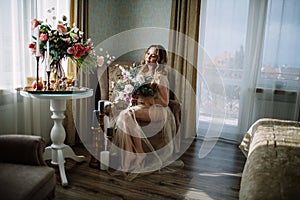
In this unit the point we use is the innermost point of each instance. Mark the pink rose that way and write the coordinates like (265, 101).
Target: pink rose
(34, 23)
(100, 61)
(70, 50)
(43, 37)
(61, 28)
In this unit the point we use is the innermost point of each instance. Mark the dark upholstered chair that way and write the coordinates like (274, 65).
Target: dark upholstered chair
(24, 174)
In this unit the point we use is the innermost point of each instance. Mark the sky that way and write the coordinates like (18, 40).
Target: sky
(226, 28)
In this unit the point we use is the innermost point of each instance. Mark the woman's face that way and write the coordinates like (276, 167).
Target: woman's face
(151, 55)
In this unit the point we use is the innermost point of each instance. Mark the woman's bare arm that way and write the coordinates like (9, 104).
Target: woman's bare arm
(163, 91)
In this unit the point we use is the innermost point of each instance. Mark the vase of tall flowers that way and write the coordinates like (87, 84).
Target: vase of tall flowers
(56, 44)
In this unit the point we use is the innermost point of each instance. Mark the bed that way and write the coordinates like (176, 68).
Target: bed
(272, 168)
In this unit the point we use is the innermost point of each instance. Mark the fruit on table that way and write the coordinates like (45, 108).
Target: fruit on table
(40, 85)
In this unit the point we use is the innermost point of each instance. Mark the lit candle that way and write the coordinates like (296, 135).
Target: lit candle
(48, 57)
(45, 75)
(37, 53)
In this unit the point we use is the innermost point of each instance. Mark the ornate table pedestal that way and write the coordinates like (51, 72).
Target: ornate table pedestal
(58, 151)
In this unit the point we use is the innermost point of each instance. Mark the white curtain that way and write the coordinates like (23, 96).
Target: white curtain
(253, 44)
(222, 36)
(20, 115)
(277, 94)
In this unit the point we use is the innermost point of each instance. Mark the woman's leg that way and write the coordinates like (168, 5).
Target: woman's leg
(129, 153)
(133, 141)
(140, 154)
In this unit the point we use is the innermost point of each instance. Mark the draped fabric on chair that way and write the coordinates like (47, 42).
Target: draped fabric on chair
(183, 48)
(79, 16)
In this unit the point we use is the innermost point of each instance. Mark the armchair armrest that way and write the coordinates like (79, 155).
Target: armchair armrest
(22, 149)
(175, 107)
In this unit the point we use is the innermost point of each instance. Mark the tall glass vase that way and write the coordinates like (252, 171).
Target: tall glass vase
(58, 69)
(76, 77)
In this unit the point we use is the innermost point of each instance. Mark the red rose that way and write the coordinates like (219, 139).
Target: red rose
(31, 46)
(87, 49)
(76, 50)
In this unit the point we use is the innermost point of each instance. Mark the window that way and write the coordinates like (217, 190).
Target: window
(17, 63)
(225, 25)
(252, 44)
(281, 61)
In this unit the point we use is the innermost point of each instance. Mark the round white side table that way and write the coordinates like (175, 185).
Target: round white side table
(58, 151)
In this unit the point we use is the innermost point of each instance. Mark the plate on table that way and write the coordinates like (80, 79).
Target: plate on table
(71, 91)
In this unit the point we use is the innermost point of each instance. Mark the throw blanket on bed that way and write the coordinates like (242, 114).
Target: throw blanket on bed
(272, 169)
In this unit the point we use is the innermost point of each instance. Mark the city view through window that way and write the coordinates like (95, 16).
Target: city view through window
(224, 41)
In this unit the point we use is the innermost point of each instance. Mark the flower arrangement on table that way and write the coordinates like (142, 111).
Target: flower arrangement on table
(54, 44)
(133, 85)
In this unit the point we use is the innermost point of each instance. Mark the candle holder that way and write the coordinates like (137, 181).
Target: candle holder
(101, 138)
(37, 72)
(97, 138)
(44, 85)
(48, 80)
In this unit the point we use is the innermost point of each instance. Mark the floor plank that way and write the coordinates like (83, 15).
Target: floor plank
(216, 176)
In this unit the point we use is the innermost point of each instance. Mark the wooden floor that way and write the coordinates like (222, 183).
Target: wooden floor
(217, 176)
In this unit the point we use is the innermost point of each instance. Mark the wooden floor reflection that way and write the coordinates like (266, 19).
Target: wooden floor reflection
(216, 176)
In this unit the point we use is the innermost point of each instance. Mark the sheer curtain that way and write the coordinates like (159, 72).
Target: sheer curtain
(277, 93)
(253, 44)
(21, 115)
(223, 26)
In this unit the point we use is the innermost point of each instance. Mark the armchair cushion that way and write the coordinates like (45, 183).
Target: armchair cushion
(20, 181)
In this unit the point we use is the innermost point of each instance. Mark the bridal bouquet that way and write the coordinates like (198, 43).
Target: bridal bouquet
(133, 85)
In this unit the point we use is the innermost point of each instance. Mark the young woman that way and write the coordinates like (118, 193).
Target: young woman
(150, 147)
